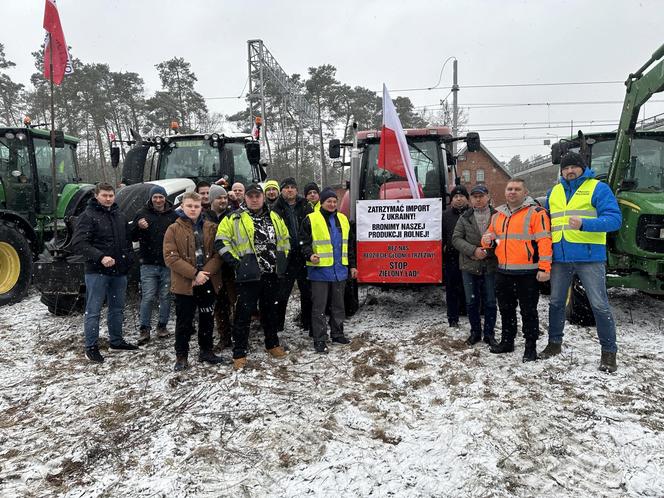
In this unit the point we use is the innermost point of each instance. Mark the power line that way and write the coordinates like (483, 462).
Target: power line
(510, 85)
(567, 125)
(589, 121)
(531, 104)
(461, 87)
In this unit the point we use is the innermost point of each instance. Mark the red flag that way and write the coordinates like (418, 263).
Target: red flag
(61, 62)
(393, 152)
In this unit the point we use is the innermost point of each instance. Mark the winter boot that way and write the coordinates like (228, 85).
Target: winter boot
(122, 346)
(181, 362)
(239, 363)
(504, 346)
(144, 336)
(530, 353)
(551, 349)
(209, 357)
(277, 352)
(342, 339)
(473, 339)
(162, 332)
(94, 355)
(490, 340)
(608, 362)
(320, 347)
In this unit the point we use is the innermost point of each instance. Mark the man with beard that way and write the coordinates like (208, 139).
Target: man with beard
(293, 208)
(148, 228)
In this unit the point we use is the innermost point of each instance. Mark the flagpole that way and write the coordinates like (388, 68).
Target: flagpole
(53, 179)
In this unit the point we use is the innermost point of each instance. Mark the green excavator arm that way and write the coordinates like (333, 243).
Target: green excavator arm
(640, 87)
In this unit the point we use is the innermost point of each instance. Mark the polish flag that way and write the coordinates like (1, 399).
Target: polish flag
(393, 153)
(61, 60)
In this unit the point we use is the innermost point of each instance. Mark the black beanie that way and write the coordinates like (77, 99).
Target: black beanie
(326, 193)
(311, 186)
(460, 190)
(288, 182)
(572, 159)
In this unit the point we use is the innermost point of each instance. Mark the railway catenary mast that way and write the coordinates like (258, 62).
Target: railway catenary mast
(263, 70)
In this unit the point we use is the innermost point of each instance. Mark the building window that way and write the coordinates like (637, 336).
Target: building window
(479, 175)
(465, 175)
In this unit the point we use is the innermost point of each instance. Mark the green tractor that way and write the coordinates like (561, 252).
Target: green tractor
(176, 162)
(631, 161)
(28, 215)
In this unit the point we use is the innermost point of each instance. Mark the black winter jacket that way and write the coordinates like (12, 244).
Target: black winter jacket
(103, 232)
(152, 238)
(450, 218)
(293, 217)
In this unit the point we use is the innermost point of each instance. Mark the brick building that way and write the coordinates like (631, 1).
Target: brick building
(482, 167)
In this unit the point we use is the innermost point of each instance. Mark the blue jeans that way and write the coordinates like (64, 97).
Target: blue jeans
(482, 287)
(113, 289)
(593, 278)
(155, 280)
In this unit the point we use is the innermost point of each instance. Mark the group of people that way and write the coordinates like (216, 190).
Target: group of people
(230, 256)
(223, 256)
(496, 259)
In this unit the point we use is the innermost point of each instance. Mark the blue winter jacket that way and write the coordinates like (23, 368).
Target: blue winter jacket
(609, 219)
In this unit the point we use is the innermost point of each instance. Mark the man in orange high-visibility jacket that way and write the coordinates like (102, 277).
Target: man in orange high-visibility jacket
(520, 232)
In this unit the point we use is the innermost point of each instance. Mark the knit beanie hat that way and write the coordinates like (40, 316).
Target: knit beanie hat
(572, 159)
(271, 184)
(288, 182)
(326, 194)
(216, 191)
(309, 187)
(157, 189)
(459, 190)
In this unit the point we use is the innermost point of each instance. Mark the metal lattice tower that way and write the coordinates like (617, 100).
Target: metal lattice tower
(264, 68)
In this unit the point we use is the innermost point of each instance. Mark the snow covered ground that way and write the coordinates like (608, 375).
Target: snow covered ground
(407, 409)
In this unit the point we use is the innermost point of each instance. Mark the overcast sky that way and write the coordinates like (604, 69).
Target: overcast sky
(403, 44)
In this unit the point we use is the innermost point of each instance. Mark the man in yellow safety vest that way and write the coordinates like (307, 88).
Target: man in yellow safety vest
(582, 211)
(328, 248)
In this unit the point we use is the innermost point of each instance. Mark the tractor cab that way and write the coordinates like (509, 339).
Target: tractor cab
(197, 157)
(26, 172)
(646, 168)
(430, 157)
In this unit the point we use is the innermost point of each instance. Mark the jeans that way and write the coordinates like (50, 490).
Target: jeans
(155, 280)
(454, 290)
(265, 293)
(97, 288)
(203, 299)
(482, 287)
(520, 290)
(593, 278)
(320, 291)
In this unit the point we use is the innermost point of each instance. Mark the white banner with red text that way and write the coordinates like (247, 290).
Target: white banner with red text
(400, 241)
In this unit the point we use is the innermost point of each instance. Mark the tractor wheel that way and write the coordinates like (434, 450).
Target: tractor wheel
(15, 264)
(578, 310)
(63, 304)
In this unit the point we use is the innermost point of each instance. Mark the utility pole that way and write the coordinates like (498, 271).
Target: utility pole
(455, 108)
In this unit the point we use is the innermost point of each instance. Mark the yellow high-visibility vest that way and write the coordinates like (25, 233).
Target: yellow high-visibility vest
(579, 205)
(322, 241)
(237, 232)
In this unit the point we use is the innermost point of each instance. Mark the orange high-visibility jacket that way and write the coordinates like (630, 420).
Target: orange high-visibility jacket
(523, 238)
